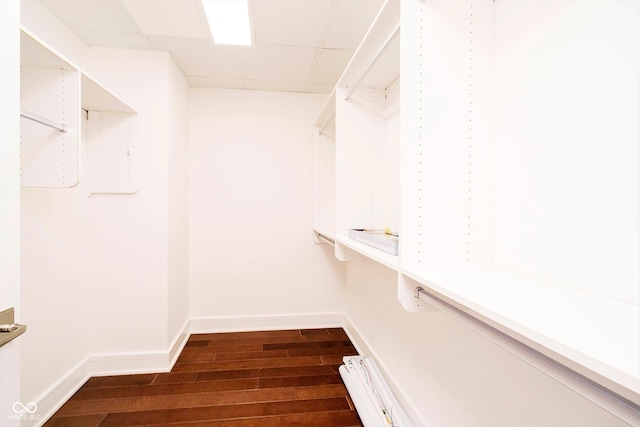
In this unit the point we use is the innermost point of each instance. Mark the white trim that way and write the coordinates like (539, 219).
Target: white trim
(178, 344)
(162, 361)
(128, 363)
(201, 325)
(59, 392)
(103, 365)
(365, 349)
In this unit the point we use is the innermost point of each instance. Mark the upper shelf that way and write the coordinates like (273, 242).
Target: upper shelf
(35, 54)
(327, 116)
(94, 96)
(376, 60)
(597, 332)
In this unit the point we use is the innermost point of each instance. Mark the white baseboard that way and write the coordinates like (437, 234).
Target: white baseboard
(163, 361)
(365, 349)
(178, 344)
(201, 325)
(103, 365)
(54, 397)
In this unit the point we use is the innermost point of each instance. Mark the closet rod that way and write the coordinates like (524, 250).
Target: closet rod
(331, 117)
(517, 347)
(326, 239)
(385, 45)
(43, 121)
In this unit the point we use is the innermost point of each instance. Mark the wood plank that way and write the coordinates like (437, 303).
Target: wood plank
(144, 403)
(269, 372)
(120, 380)
(313, 419)
(76, 421)
(299, 381)
(247, 364)
(225, 336)
(166, 389)
(341, 351)
(325, 390)
(306, 344)
(206, 413)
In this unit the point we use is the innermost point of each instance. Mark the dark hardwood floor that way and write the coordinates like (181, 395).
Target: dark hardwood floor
(248, 379)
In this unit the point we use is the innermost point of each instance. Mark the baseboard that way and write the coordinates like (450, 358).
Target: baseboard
(53, 398)
(366, 349)
(178, 344)
(104, 365)
(163, 361)
(203, 325)
(128, 363)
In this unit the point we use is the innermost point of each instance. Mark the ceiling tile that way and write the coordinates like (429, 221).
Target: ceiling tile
(112, 39)
(301, 45)
(99, 15)
(182, 18)
(350, 23)
(320, 87)
(274, 86)
(290, 22)
(214, 83)
(330, 65)
(276, 63)
(200, 57)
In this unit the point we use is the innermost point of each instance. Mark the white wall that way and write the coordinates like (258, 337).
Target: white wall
(9, 202)
(54, 265)
(449, 373)
(100, 265)
(129, 232)
(178, 181)
(250, 247)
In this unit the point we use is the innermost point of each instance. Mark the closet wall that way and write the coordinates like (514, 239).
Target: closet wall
(10, 201)
(448, 374)
(251, 252)
(518, 189)
(101, 289)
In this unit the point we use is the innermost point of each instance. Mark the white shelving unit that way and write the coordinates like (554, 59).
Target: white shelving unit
(111, 137)
(62, 107)
(512, 180)
(502, 215)
(324, 170)
(367, 137)
(50, 117)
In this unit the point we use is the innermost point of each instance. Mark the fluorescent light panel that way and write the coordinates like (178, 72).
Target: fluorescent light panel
(228, 21)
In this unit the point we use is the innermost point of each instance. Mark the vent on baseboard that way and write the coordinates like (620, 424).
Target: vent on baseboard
(374, 401)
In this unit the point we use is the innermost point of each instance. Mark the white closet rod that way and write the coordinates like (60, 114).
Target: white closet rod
(43, 121)
(324, 126)
(326, 239)
(519, 348)
(385, 45)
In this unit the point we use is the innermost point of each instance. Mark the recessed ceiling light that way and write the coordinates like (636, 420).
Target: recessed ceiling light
(228, 21)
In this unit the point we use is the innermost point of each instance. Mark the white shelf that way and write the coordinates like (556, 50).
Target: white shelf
(377, 255)
(96, 98)
(502, 213)
(596, 332)
(35, 54)
(378, 62)
(50, 122)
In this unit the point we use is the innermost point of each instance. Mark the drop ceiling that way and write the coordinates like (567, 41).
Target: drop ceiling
(299, 45)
